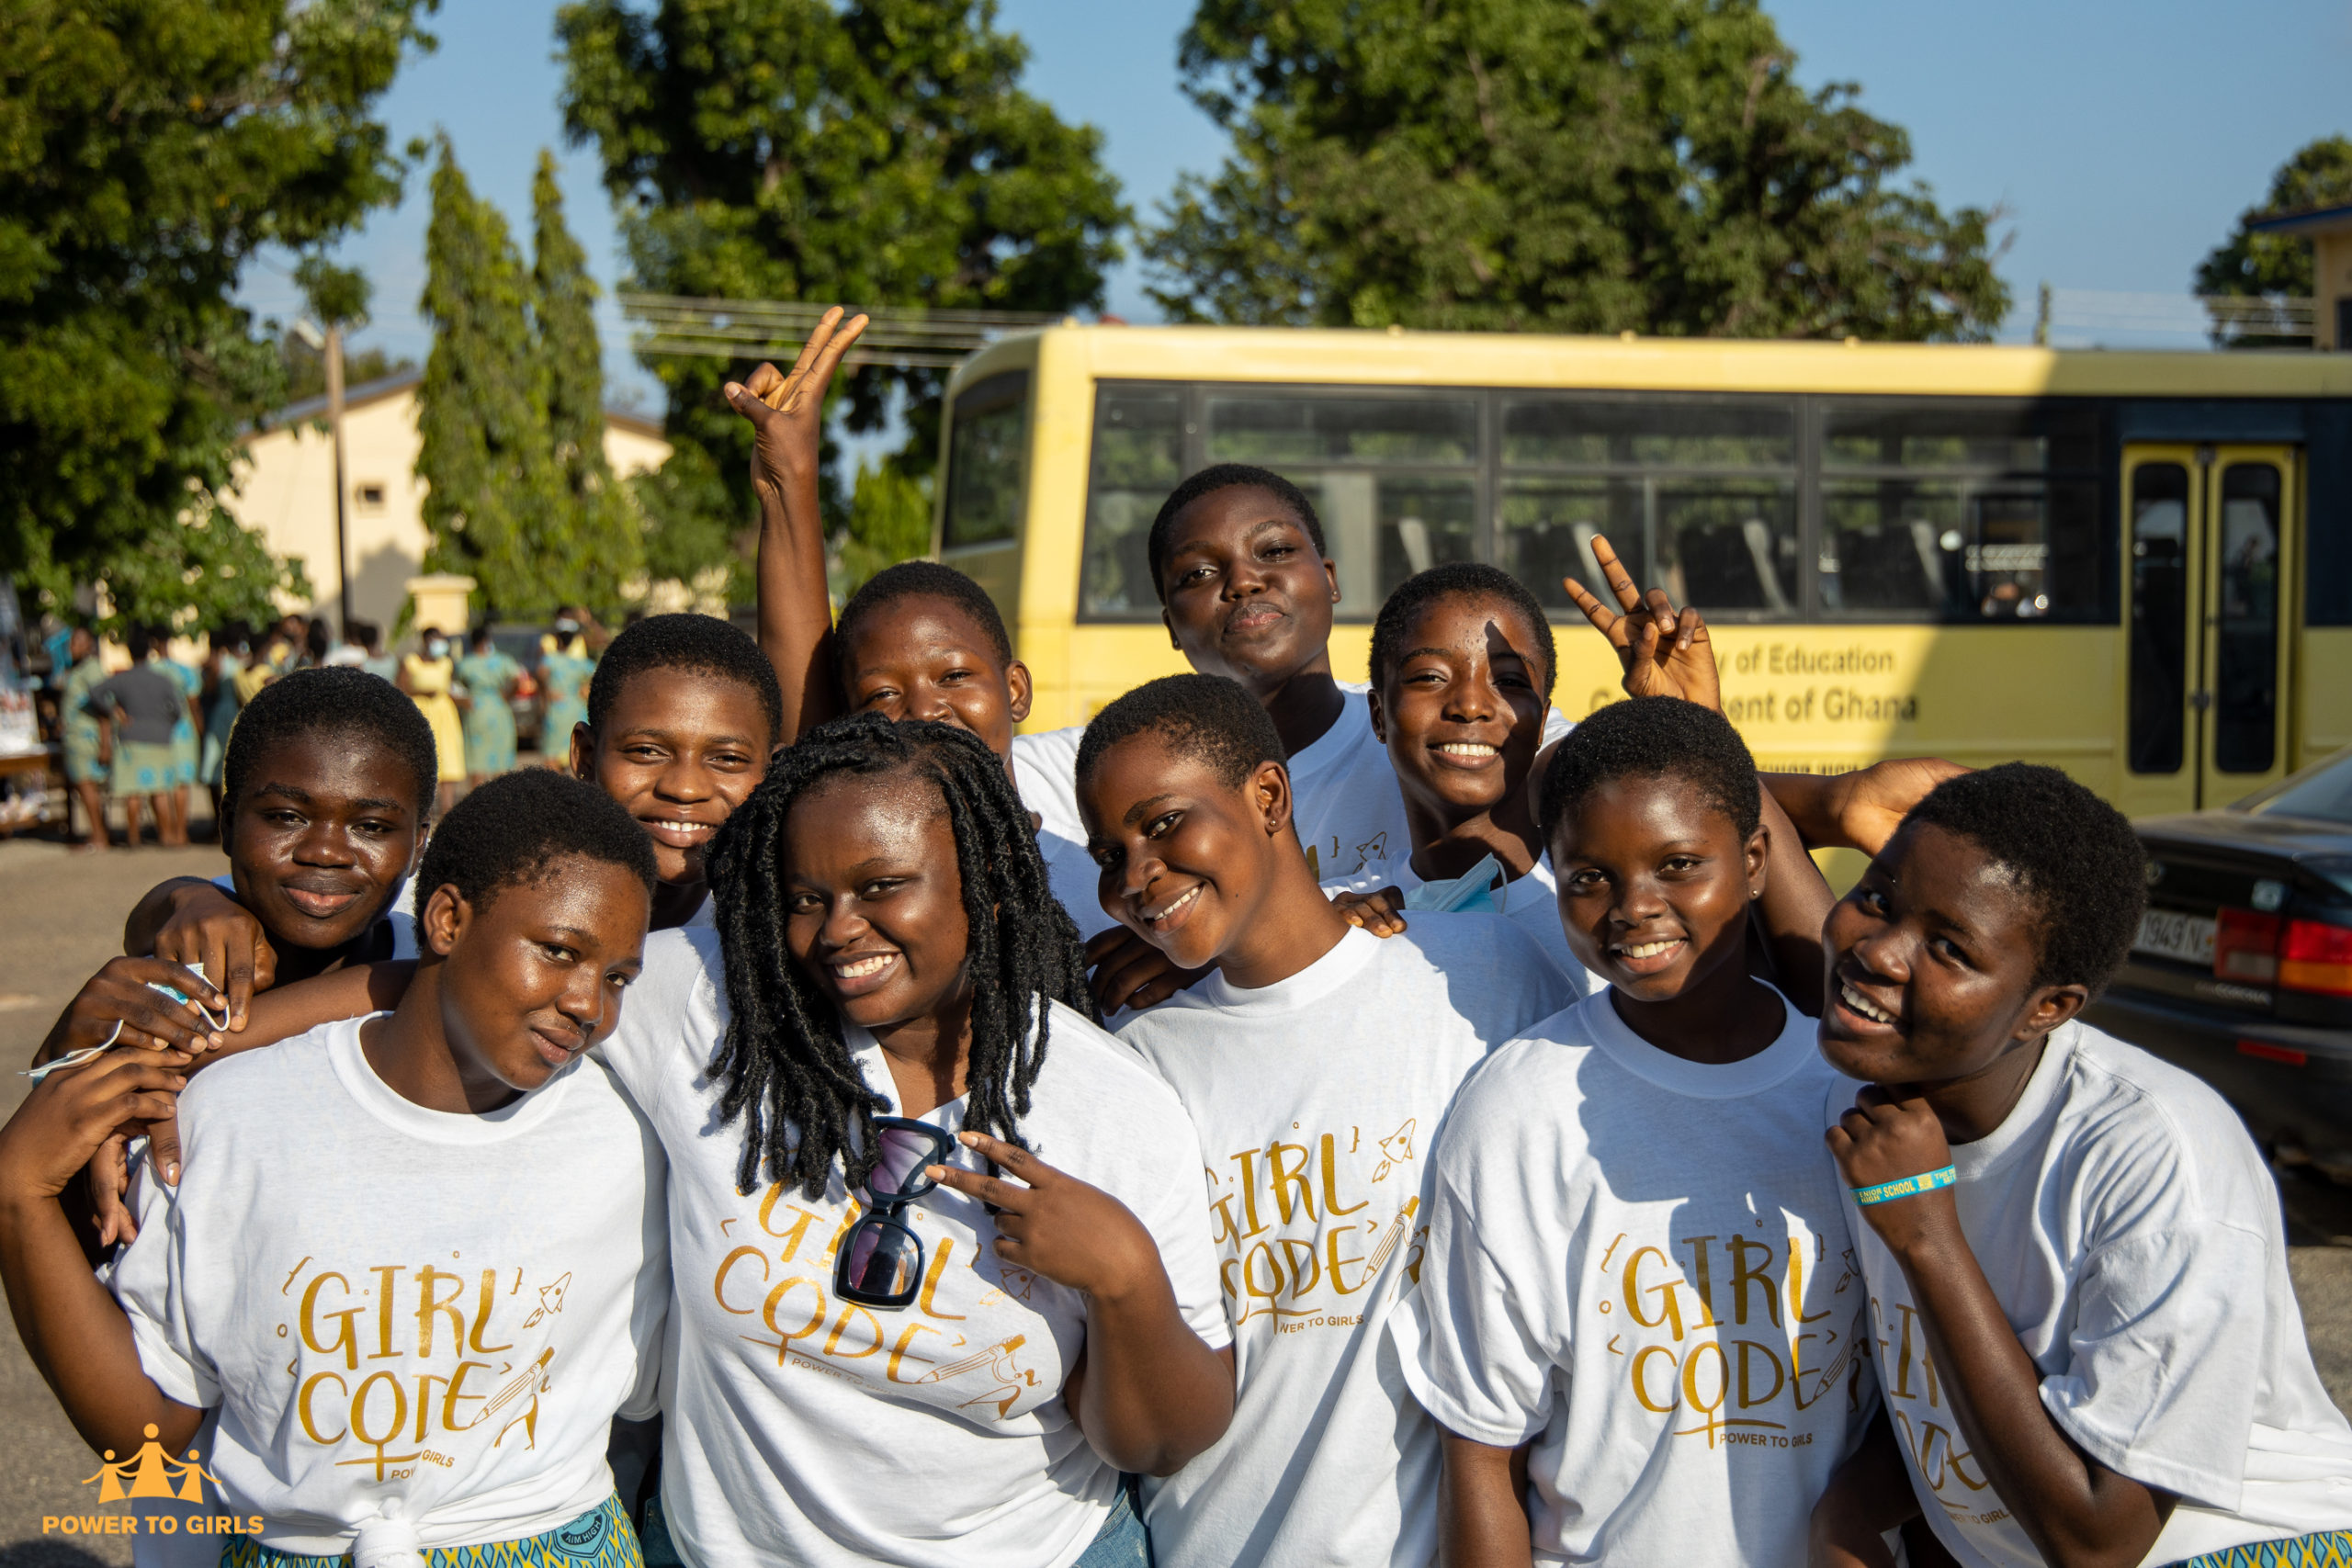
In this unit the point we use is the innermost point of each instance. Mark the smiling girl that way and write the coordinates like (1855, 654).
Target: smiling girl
(1462, 668)
(416, 1345)
(683, 711)
(326, 787)
(941, 1273)
(1317, 1063)
(1638, 1321)
(2089, 1346)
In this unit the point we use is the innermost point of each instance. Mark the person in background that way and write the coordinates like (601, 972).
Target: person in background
(138, 711)
(271, 656)
(369, 638)
(226, 650)
(185, 732)
(85, 737)
(567, 658)
(346, 651)
(429, 676)
(489, 677)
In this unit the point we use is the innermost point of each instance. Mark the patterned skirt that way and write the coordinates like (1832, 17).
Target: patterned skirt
(144, 768)
(601, 1538)
(2330, 1549)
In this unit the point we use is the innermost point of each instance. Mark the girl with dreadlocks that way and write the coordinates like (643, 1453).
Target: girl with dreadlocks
(940, 1268)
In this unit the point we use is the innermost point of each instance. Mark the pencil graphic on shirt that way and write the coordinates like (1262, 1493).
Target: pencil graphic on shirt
(1395, 1233)
(981, 1359)
(520, 1385)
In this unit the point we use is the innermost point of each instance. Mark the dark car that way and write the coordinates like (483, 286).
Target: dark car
(2242, 972)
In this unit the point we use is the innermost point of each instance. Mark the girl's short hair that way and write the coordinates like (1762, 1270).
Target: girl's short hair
(2075, 856)
(1208, 482)
(1206, 717)
(921, 580)
(332, 702)
(1655, 737)
(699, 644)
(1455, 580)
(512, 831)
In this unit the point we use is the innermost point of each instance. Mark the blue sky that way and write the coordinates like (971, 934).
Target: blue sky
(2121, 139)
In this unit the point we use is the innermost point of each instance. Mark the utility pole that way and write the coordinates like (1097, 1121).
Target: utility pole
(342, 499)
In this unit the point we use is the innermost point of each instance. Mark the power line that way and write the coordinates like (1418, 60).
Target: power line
(902, 336)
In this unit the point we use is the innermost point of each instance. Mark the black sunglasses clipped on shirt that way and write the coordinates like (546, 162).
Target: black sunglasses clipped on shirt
(880, 1263)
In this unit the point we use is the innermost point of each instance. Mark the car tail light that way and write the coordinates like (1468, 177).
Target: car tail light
(2269, 1053)
(2246, 947)
(2312, 956)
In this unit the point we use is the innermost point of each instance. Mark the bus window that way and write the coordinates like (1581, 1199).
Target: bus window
(1138, 458)
(984, 452)
(1960, 512)
(2155, 734)
(1698, 493)
(1376, 470)
(2246, 672)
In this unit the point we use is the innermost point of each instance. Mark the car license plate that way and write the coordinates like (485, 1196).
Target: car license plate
(2168, 934)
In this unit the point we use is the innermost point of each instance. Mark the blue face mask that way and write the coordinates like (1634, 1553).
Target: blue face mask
(1478, 888)
(435, 648)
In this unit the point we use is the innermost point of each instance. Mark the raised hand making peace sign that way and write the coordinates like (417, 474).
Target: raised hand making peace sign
(788, 411)
(1665, 653)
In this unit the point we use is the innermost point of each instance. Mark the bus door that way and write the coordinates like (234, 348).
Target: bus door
(2208, 597)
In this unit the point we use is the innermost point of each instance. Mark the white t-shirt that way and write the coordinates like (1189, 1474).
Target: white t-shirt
(2132, 1234)
(1640, 1263)
(1316, 1098)
(415, 1325)
(1045, 768)
(808, 1431)
(1531, 902)
(402, 915)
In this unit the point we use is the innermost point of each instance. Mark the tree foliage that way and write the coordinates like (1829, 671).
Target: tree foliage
(519, 496)
(889, 521)
(147, 148)
(1527, 165)
(572, 362)
(2319, 175)
(864, 152)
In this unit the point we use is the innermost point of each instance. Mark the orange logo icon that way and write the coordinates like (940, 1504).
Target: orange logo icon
(152, 1472)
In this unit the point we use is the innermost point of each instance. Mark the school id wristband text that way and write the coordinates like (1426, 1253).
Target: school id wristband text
(1908, 1186)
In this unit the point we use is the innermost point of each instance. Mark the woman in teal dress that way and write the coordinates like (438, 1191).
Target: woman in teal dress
(565, 664)
(489, 677)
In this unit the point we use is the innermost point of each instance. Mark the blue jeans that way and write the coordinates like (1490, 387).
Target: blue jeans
(1122, 1541)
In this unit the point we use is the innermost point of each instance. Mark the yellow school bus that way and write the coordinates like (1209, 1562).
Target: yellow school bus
(2136, 565)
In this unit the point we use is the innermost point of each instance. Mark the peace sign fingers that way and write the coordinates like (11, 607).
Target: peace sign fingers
(812, 368)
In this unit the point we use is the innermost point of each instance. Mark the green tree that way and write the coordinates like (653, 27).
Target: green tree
(1648, 165)
(495, 493)
(890, 520)
(147, 147)
(2248, 264)
(599, 530)
(867, 152)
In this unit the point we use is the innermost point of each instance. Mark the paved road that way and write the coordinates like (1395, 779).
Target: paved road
(61, 917)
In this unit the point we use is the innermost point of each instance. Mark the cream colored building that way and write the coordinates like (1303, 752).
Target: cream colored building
(287, 492)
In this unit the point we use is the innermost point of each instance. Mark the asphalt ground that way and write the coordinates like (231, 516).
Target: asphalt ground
(61, 917)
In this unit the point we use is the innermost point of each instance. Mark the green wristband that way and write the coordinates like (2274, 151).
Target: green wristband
(1909, 1187)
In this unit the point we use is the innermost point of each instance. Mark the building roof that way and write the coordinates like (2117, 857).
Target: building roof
(383, 386)
(2320, 219)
